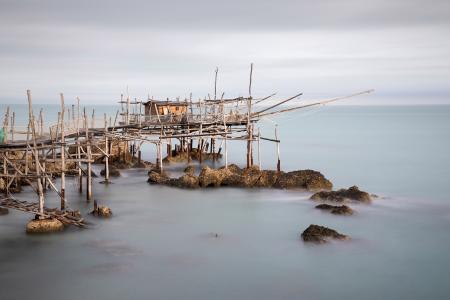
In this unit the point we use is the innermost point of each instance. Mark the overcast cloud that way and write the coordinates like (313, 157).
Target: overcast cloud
(167, 49)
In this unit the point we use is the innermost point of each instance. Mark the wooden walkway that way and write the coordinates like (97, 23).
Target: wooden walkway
(67, 217)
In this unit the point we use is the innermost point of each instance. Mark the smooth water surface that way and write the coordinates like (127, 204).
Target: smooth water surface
(161, 242)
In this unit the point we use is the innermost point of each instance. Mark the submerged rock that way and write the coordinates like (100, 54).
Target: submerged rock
(189, 170)
(102, 211)
(337, 210)
(3, 211)
(113, 172)
(44, 226)
(320, 234)
(352, 193)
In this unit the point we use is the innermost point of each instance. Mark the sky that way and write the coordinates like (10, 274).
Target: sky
(97, 50)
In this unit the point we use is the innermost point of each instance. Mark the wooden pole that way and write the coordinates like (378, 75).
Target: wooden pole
(160, 157)
(215, 84)
(41, 121)
(107, 152)
(28, 146)
(63, 160)
(89, 167)
(250, 81)
(36, 155)
(80, 174)
(93, 118)
(278, 149)
(259, 149)
(13, 121)
(5, 125)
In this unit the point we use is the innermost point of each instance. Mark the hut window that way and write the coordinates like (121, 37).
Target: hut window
(176, 108)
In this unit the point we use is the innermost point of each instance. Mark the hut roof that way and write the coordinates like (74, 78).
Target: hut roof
(166, 103)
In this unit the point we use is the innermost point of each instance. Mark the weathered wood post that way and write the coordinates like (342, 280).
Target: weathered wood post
(28, 146)
(226, 138)
(160, 157)
(107, 152)
(63, 160)
(5, 173)
(80, 173)
(278, 149)
(36, 155)
(89, 157)
(249, 125)
(13, 121)
(41, 122)
(259, 149)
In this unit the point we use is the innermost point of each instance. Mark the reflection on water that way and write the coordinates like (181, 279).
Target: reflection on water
(161, 242)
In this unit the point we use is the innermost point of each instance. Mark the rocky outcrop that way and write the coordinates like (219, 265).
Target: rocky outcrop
(337, 210)
(248, 177)
(307, 179)
(186, 181)
(320, 234)
(3, 211)
(157, 177)
(44, 226)
(352, 193)
(212, 177)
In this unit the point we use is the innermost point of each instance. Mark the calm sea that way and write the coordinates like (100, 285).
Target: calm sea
(160, 243)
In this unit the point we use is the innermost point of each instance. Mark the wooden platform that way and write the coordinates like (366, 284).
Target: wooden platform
(67, 217)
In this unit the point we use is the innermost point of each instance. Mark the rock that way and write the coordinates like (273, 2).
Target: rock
(320, 234)
(212, 177)
(248, 177)
(139, 165)
(186, 181)
(157, 177)
(352, 193)
(189, 170)
(113, 172)
(337, 210)
(44, 226)
(102, 211)
(3, 211)
(233, 179)
(233, 168)
(305, 179)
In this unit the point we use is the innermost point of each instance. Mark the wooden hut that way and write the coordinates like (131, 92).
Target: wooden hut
(164, 108)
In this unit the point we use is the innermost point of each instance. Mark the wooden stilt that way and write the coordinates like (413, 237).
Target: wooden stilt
(278, 149)
(89, 157)
(36, 154)
(259, 149)
(107, 153)
(63, 160)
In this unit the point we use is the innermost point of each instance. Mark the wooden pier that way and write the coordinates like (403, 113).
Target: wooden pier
(37, 153)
